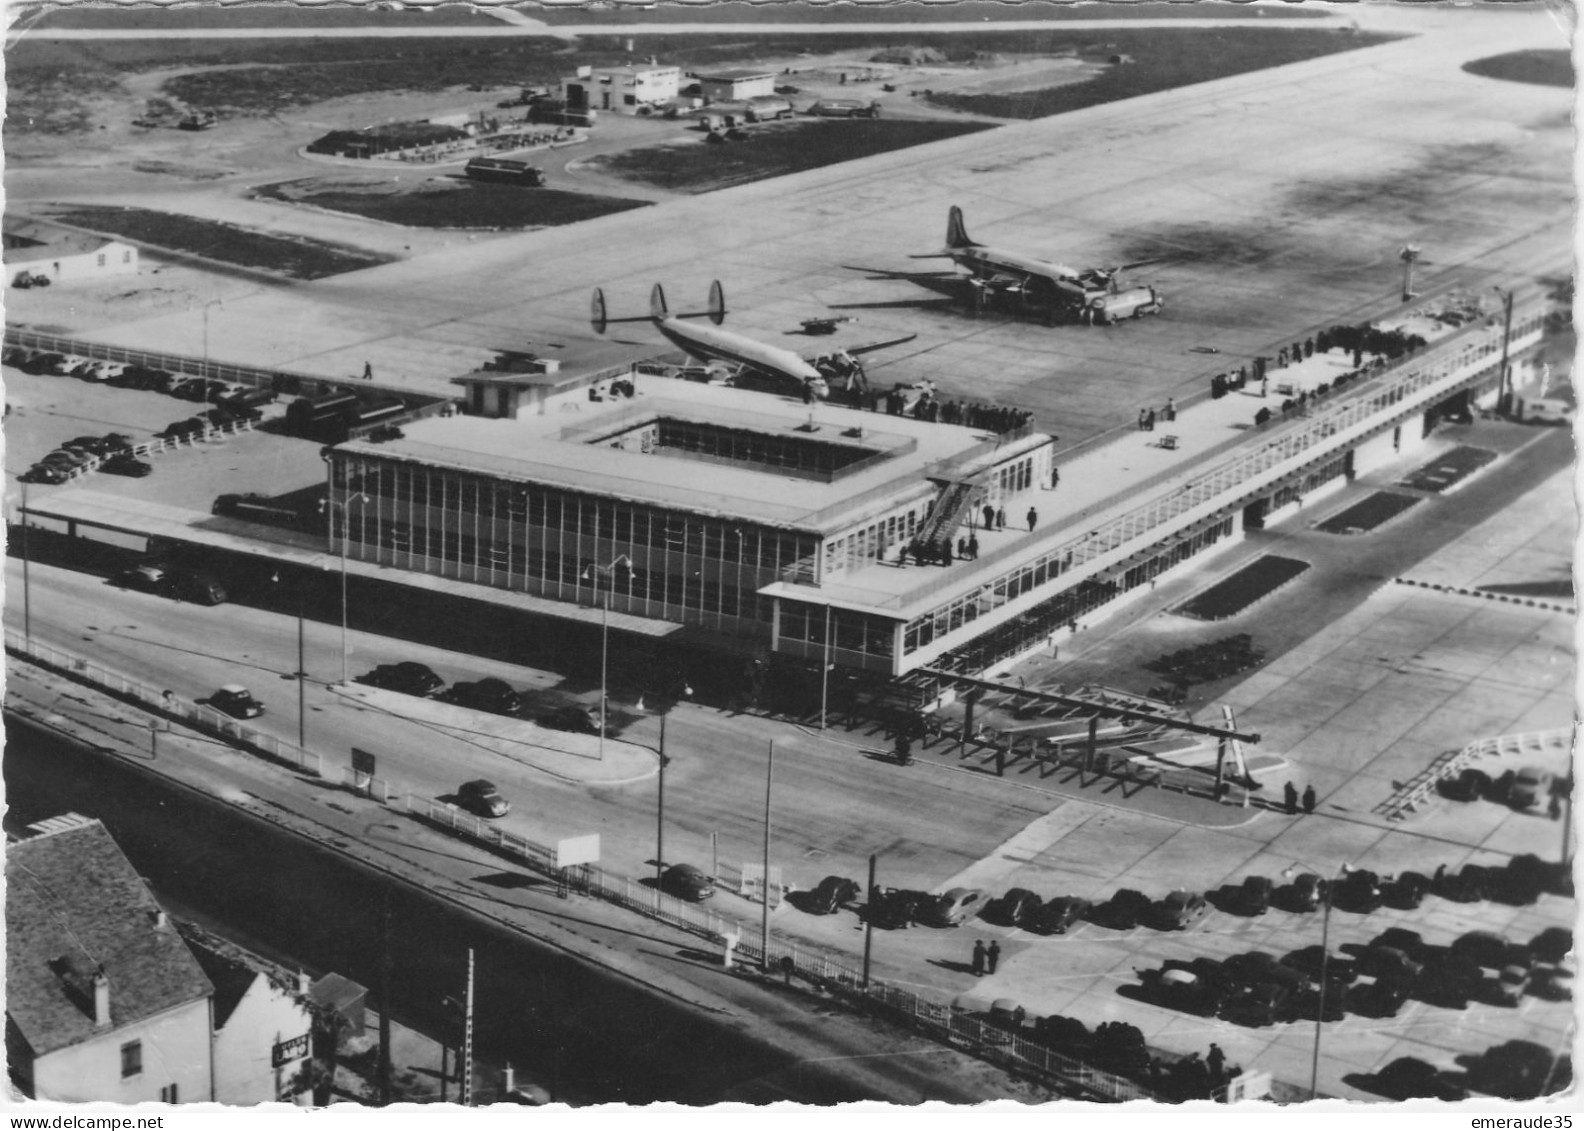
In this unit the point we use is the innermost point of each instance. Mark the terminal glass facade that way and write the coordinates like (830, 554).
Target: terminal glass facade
(561, 544)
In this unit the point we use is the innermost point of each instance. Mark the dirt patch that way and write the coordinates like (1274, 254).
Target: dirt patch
(219, 242)
(772, 151)
(448, 202)
(1143, 61)
(1542, 67)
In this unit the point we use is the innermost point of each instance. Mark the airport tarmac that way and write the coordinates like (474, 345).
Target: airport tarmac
(1296, 225)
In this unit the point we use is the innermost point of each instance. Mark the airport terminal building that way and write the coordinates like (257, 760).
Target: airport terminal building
(768, 523)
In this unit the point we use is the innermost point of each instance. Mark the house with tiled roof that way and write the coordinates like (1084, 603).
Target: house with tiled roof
(104, 1001)
(33, 248)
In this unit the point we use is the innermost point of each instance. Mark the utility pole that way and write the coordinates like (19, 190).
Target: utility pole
(660, 808)
(465, 1085)
(764, 926)
(825, 666)
(27, 602)
(385, 1002)
(1504, 395)
(869, 921)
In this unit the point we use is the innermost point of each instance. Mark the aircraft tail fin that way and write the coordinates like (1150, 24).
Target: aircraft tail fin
(717, 303)
(956, 232)
(597, 316)
(657, 303)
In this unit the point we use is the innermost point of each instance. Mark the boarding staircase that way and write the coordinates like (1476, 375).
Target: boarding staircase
(940, 525)
(1409, 796)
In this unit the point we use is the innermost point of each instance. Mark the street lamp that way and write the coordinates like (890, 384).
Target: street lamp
(665, 713)
(1329, 896)
(301, 673)
(1504, 386)
(764, 889)
(609, 572)
(27, 601)
(346, 536)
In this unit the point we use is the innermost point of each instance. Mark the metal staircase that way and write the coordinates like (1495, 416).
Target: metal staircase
(950, 506)
(1417, 790)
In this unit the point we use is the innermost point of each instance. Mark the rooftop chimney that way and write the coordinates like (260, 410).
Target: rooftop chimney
(161, 920)
(303, 982)
(101, 988)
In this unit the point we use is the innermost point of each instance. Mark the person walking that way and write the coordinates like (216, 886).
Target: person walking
(1055, 478)
(973, 548)
(1290, 793)
(1033, 517)
(1171, 409)
(1149, 421)
(979, 959)
(1216, 1062)
(1309, 799)
(962, 549)
(368, 371)
(1000, 518)
(992, 956)
(1142, 413)
(989, 517)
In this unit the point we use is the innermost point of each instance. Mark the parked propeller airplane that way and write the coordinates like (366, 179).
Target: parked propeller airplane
(1092, 294)
(753, 364)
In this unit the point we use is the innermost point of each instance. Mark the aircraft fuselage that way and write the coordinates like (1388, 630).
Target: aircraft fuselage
(707, 343)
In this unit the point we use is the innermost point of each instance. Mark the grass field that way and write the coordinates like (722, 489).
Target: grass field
(1368, 513)
(1159, 60)
(459, 204)
(265, 76)
(259, 15)
(1546, 68)
(223, 243)
(774, 151)
(1255, 581)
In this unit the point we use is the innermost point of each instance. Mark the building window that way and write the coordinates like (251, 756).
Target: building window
(168, 1094)
(101, 259)
(126, 257)
(131, 1059)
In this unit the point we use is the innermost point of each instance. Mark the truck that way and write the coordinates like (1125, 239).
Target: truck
(768, 108)
(843, 108)
(504, 170)
(1133, 302)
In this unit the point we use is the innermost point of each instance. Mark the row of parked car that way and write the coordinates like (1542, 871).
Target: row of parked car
(127, 375)
(111, 452)
(492, 695)
(1376, 979)
(1523, 788)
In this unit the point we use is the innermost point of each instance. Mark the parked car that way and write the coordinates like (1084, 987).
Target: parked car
(144, 578)
(1306, 893)
(128, 465)
(1552, 945)
(1057, 916)
(196, 586)
(45, 473)
(71, 460)
(831, 894)
(489, 694)
(687, 882)
(1530, 786)
(88, 445)
(1484, 948)
(1469, 785)
(1380, 998)
(1123, 911)
(1466, 886)
(573, 718)
(1387, 963)
(1554, 876)
(955, 907)
(1409, 942)
(1179, 986)
(407, 677)
(1014, 909)
(236, 701)
(1509, 985)
(483, 798)
(1254, 895)
(1409, 1078)
(1179, 911)
(1255, 1004)
(894, 908)
(1553, 982)
(1406, 890)
(1449, 981)
(1359, 891)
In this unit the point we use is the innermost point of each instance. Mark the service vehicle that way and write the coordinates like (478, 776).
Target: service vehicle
(955, 907)
(483, 798)
(236, 701)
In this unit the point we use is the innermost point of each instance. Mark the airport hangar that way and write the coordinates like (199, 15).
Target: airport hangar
(783, 526)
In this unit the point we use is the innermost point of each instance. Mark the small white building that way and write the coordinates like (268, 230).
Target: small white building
(736, 85)
(625, 90)
(63, 256)
(103, 999)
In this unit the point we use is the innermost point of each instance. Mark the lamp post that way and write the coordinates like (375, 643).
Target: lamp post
(665, 712)
(346, 536)
(764, 891)
(825, 667)
(206, 306)
(1504, 388)
(301, 674)
(27, 602)
(609, 573)
(1329, 896)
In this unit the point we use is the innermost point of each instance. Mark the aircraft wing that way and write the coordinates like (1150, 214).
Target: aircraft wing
(870, 347)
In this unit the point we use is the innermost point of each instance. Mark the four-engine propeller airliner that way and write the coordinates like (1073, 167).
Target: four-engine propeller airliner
(754, 364)
(1092, 294)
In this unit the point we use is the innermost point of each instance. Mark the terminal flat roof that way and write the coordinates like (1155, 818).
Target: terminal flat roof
(555, 449)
